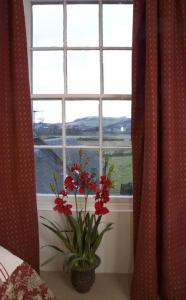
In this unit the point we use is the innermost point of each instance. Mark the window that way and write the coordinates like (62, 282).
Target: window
(80, 71)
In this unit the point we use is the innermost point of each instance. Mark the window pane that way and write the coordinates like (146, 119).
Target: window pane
(82, 25)
(47, 122)
(83, 72)
(47, 161)
(116, 123)
(117, 25)
(122, 175)
(48, 72)
(93, 165)
(47, 25)
(82, 123)
(117, 72)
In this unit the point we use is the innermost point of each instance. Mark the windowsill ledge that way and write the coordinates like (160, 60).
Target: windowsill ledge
(117, 204)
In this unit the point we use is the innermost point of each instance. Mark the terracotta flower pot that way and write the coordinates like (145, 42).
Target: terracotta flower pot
(83, 279)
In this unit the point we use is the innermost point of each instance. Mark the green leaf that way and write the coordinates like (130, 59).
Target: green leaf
(110, 171)
(54, 247)
(91, 222)
(80, 220)
(100, 236)
(77, 232)
(60, 236)
(95, 230)
(52, 223)
(81, 152)
(56, 176)
(73, 260)
(52, 187)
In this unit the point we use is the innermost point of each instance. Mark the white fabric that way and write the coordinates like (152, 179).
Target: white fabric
(8, 262)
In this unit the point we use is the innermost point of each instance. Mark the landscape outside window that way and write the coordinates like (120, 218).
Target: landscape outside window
(81, 89)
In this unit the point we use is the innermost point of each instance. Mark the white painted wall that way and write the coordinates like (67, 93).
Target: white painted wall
(115, 250)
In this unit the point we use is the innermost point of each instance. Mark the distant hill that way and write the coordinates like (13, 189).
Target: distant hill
(109, 123)
(85, 125)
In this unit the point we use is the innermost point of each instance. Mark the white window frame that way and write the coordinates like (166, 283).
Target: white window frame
(117, 203)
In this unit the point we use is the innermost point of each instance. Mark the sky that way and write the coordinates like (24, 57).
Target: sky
(82, 67)
(51, 112)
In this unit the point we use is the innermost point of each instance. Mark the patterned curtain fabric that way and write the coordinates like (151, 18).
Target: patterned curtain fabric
(18, 214)
(159, 149)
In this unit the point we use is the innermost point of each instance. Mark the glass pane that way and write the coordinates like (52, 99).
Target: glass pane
(117, 25)
(117, 72)
(116, 123)
(121, 159)
(47, 122)
(82, 25)
(82, 123)
(48, 72)
(83, 72)
(93, 165)
(47, 25)
(47, 161)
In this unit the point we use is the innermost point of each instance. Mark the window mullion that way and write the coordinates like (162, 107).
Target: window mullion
(100, 138)
(101, 87)
(65, 45)
(65, 83)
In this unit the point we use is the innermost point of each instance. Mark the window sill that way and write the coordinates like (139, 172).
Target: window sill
(117, 204)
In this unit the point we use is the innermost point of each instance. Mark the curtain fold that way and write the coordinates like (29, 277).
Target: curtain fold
(159, 149)
(18, 212)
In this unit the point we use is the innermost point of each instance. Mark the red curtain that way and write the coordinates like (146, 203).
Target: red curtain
(159, 149)
(18, 214)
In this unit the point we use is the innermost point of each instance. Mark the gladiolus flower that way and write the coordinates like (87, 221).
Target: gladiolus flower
(59, 201)
(69, 183)
(106, 182)
(105, 196)
(100, 209)
(85, 176)
(65, 209)
(63, 192)
(75, 167)
(92, 186)
(85, 182)
(81, 190)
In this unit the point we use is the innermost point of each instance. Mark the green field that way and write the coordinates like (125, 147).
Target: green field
(122, 173)
(108, 140)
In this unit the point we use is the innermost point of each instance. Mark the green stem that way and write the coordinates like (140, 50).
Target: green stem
(56, 185)
(86, 199)
(76, 205)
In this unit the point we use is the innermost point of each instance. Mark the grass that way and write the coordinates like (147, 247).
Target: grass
(122, 171)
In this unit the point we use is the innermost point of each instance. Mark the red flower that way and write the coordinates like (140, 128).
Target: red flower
(102, 195)
(69, 183)
(65, 209)
(98, 195)
(75, 167)
(85, 176)
(58, 201)
(84, 181)
(107, 183)
(92, 186)
(100, 209)
(82, 190)
(105, 196)
(63, 192)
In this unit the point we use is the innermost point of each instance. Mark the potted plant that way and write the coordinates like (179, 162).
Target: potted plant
(82, 236)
